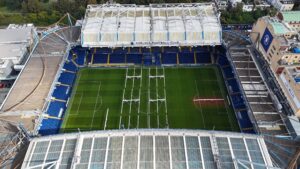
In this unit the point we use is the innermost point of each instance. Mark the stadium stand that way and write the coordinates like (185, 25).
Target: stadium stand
(203, 57)
(117, 58)
(233, 85)
(70, 66)
(169, 58)
(55, 108)
(172, 49)
(145, 50)
(228, 72)
(102, 50)
(244, 120)
(120, 50)
(135, 58)
(61, 92)
(50, 126)
(66, 78)
(135, 50)
(100, 58)
(79, 55)
(186, 58)
(235, 95)
(89, 58)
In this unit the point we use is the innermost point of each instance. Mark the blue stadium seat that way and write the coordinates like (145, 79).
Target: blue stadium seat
(120, 50)
(203, 57)
(55, 108)
(103, 50)
(117, 58)
(169, 58)
(145, 50)
(233, 86)
(223, 60)
(50, 126)
(66, 78)
(245, 122)
(186, 58)
(89, 58)
(80, 57)
(70, 56)
(70, 66)
(61, 92)
(186, 49)
(134, 58)
(100, 58)
(134, 51)
(156, 50)
(228, 72)
(147, 59)
(200, 49)
(171, 49)
(237, 101)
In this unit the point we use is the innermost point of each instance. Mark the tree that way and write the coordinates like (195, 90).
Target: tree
(13, 4)
(34, 6)
(91, 1)
(24, 7)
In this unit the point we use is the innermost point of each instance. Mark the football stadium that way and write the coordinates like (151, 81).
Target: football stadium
(166, 85)
(157, 86)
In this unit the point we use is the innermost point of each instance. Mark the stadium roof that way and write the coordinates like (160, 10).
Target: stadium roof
(148, 149)
(116, 25)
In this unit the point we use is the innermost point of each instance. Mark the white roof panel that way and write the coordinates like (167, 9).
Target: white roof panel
(154, 148)
(166, 25)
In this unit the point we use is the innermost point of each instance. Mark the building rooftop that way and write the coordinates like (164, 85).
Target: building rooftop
(157, 148)
(279, 28)
(16, 34)
(291, 16)
(116, 25)
(13, 52)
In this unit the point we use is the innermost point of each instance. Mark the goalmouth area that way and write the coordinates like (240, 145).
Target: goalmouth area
(149, 97)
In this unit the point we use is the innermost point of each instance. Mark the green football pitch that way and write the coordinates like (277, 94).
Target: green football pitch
(149, 97)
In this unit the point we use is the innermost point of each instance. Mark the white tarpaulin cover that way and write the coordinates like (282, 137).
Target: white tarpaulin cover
(116, 25)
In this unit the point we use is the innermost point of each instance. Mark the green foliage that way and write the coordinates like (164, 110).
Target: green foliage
(47, 12)
(40, 19)
(237, 16)
(13, 4)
